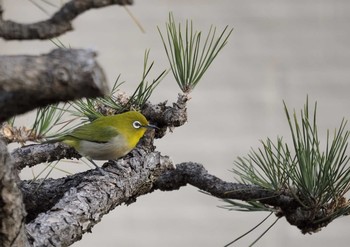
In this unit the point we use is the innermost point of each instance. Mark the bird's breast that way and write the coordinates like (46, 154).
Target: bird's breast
(114, 149)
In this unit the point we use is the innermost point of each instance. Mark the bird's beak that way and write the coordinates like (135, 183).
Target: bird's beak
(151, 126)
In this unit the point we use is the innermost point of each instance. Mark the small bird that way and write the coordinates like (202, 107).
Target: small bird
(108, 137)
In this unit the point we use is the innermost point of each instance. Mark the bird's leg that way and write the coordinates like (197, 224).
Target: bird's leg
(103, 172)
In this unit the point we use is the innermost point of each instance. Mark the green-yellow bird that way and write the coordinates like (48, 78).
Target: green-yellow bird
(108, 137)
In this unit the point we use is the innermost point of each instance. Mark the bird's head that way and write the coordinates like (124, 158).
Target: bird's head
(134, 125)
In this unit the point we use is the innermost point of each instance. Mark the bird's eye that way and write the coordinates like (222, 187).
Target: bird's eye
(136, 124)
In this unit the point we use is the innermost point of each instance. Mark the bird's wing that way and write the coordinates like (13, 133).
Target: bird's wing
(100, 133)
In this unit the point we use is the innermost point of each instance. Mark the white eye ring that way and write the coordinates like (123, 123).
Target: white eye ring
(136, 124)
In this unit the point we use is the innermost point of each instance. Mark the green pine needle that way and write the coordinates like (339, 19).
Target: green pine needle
(317, 176)
(249, 206)
(91, 109)
(111, 101)
(145, 89)
(189, 58)
(46, 119)
(251, 230)
(86, 108)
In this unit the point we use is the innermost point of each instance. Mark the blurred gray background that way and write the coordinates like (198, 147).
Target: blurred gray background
(279, 50)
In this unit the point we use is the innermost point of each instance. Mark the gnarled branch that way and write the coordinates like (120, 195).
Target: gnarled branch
(28, 82)
(51, 190)
(165, 116)
(58, 24)
(82, 206)
(31, 155)
(284, 203)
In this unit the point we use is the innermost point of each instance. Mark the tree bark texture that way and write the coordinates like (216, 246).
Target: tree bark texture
(61, 210)
(28, 82)
(58, 24)
(12, 213)
(283, 203)
(92, 196)
(31, 155)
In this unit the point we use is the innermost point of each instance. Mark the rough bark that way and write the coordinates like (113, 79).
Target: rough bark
(31, 155)
(169, 116)
(58, 24)
(40, 196)
(28, 82)
(195, 174)
(127, 175)
(92, 196)
(283, 203)
(12, 213)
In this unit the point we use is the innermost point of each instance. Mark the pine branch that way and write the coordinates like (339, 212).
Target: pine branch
(196, 175)
(126, 182)
(58, 24)
(54, 77)
(306, 219)
(93, 196)
(316, 178)
(165, 116)
(31, 155)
